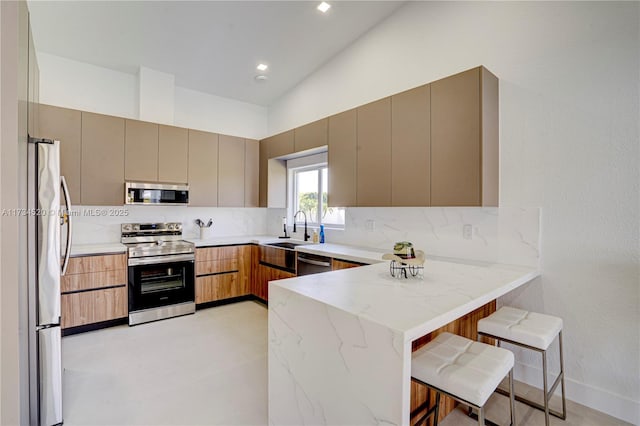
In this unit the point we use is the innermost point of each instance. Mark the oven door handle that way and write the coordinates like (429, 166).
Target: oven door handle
(161, 259)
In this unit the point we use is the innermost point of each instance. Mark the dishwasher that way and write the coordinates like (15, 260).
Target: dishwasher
(312, 264)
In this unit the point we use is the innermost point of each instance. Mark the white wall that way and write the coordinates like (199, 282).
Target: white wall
(199, 110)
(72, 84)
(569, 75)
(78, 85)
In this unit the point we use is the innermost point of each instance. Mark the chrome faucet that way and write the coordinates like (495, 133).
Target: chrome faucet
(306, 234)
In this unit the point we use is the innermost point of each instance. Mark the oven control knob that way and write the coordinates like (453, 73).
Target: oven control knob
(178, 226)
(126, 227)
(136, 227)
(170, 227)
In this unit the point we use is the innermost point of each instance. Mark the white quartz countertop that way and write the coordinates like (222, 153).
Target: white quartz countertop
(355, 254)
(339, 251)
(95, 249)
(414, 306)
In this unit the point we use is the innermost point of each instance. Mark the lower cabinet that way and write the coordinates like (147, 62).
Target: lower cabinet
(222, 273)
(94, 290)
(264, 275)
(343, 264)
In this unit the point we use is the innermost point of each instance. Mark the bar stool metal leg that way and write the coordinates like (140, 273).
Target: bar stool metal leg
(512, 400)
(564, 402)
(481, 416)
(545, 394)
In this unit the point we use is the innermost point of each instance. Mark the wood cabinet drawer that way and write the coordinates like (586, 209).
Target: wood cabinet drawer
(76, 282)
(216, 266)
(218, 287)
(85, 264)
(337, 264)
(89, 307)
(216, 253)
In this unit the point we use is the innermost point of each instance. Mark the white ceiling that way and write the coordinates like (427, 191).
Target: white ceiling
(210, 46)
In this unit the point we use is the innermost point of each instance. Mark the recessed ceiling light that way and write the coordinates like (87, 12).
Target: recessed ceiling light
(324, 6)
(261, 78)
(262, 67)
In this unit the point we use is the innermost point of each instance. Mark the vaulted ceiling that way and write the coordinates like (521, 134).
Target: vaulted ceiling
(210, 46)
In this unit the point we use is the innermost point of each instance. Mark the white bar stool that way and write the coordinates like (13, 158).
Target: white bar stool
(464, 370)
(532, 331)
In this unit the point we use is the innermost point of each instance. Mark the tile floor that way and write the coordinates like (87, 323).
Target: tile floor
(205, 369)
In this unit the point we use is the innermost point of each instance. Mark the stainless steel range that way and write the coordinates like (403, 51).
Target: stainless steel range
(161, 271)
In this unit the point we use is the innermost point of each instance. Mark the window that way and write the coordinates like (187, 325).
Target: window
(309, 186)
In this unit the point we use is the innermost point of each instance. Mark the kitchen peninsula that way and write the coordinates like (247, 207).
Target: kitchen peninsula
(340, 343)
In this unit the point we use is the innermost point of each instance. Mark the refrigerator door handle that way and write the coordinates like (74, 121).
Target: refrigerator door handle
(66, 217)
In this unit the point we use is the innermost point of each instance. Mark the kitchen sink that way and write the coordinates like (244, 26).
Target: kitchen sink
(286, 244)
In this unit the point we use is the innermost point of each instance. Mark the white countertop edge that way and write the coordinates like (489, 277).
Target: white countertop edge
(78, 250)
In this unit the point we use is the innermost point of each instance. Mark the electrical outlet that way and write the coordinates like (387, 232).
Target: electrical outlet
(370, 225)
(467, 231)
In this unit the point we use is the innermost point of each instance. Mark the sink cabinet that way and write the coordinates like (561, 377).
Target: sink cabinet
(264, 275)
(337, 264)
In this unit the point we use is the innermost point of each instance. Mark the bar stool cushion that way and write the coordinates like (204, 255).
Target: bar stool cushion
(529, 328)
(469, 370)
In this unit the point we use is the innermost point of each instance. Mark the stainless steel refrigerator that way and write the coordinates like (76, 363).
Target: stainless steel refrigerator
(45, 220)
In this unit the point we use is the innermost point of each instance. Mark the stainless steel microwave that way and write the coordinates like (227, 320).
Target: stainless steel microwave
(160, 194)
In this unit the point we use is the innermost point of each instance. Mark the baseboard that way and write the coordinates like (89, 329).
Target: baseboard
(614, 405)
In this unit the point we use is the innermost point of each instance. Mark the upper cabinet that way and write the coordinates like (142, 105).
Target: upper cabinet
(251, 172)
(64, 125)
(155, 153)
(342, 159)
(373, 179)
(140, 151)
(280, 144)
(464, 139)
(203, 169)
(231, 164)
(102, 163)
(173, 154)
(411, 147)
(312, 135)
(263, 151)
(273, 172)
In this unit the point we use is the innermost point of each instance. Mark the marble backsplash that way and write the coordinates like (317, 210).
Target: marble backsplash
(101, 224)
(506, 234)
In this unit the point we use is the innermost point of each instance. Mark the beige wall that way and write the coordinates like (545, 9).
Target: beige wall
(12, 15)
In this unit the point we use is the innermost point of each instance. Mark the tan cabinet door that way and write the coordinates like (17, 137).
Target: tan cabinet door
(141, 151)
(102, 166)
(251, 173)
(455, 140)
(173, 154)
(65, 125)
(230, 171)
(411, 147)
(281, 144)
(263, 171)
(342, 159)
(203, 169)
(373, 181)
(312, 135)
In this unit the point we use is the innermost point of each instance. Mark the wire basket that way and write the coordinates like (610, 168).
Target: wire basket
(405, 267)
